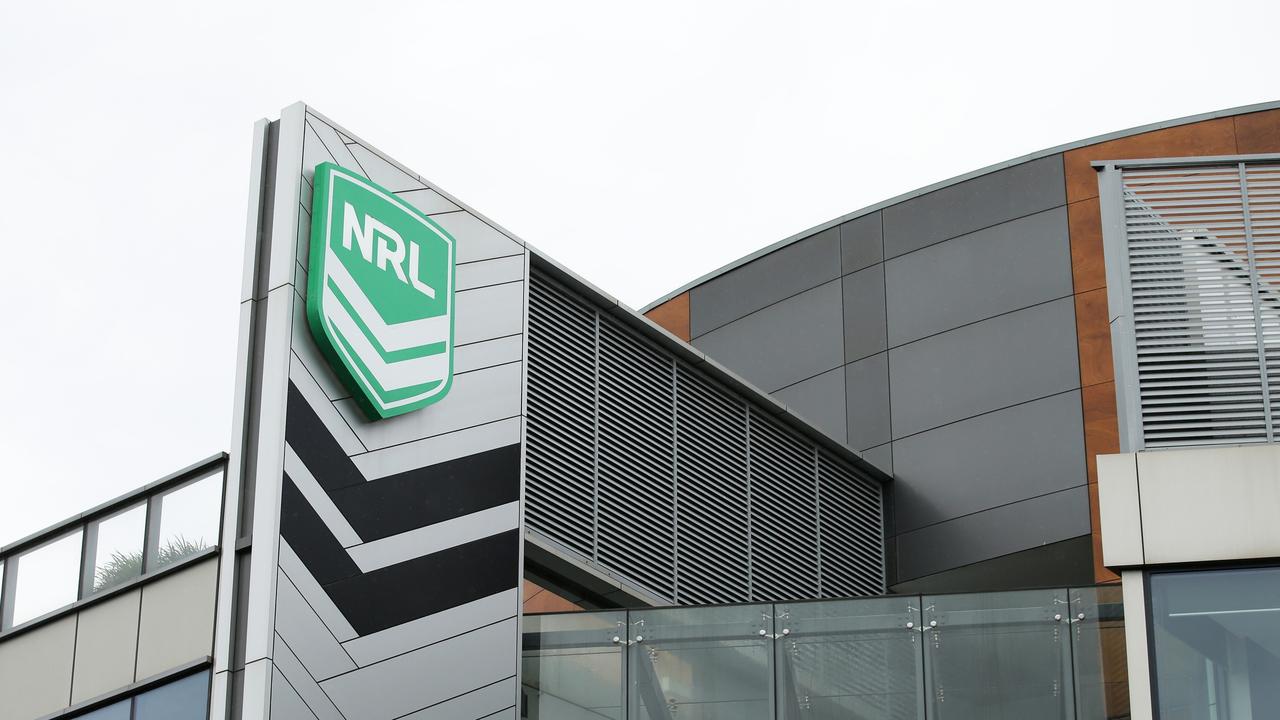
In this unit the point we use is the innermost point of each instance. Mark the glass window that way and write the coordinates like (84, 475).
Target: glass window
(850, 659)
(571, 666)
(48, 578)
(1217, 643)
(998, 655)
(185, 699)
(702, 663)
(1100, 662)
(115, 544)
(188, 520)
(117, 711)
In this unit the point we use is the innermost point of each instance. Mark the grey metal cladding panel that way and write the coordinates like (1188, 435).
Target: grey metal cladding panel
(384, 173)
(477, 239)
(485, 703)
(433, 628)
(477, 398)
(286, 704)
(974, 204)
(865, 331)
(1002, 268)
(784, 343)
(1009, 455)
(790, 270)
(820, 400)
(428, 201)
(881, 456)
(993, 533)
(416, 680)
(307, 635)
(985, 366)
(861, 243)
(866, 399)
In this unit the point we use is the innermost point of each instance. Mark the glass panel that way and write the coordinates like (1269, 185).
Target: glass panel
(188, 520)
(118, 711)
(117, 547)
(185, 699)
(1098, 656)
(571, 666)
(703, 663)
(998, 656)
(48, 578)
(850, 659)
(1217, 643)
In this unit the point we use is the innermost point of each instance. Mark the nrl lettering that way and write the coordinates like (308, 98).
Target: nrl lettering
(390, 248)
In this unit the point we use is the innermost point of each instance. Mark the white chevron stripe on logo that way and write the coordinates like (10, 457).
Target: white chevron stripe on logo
(398, 336)
(393, 375)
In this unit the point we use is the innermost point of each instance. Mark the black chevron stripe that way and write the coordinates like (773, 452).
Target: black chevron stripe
(402, 592)
(306, 434)
(311, 539)
(391, 505)
(408, 500)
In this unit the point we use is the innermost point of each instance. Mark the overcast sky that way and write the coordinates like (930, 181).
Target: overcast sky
(642, 145)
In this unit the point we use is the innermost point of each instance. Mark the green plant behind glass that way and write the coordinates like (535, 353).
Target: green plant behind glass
(123, 566)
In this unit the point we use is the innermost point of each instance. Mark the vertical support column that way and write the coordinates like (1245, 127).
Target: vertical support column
(1115, 243)
(1254, 281)
(251, 522)
(1135, 638)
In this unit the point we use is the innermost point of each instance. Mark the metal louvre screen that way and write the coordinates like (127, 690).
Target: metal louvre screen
(561, 409)
(711, 462)
(1203, 251)
(650, 469)
(637, 461)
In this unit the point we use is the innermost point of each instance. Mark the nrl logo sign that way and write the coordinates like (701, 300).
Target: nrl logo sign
(380, 294)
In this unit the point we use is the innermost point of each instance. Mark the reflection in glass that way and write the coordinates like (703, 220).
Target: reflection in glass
(998, 656)
(185, 699)
(702, 663)
(1100, 663)
(48, 578)
(571, 667)
(850, 659)
(115, 544)
(1217, 643)
(188, 520)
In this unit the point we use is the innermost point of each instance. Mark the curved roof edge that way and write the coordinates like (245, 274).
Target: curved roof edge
(1240, 110)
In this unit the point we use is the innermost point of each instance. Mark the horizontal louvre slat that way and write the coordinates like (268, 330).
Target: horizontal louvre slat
(660, 476)
(1200, 303)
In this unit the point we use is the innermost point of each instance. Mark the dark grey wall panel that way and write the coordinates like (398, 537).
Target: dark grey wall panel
(784, 343)
(864, 316)
(1002, 268)
(798, 267)
(985, 366)
(820, 400)
(867, 388)
(992, 533)
(974, 204)
(994, 459)
(881, 456)
(1067, 563)
(860, 243)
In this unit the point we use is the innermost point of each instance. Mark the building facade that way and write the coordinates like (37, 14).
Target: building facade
(945, 456)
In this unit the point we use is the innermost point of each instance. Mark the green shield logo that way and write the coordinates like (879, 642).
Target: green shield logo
(380, 293)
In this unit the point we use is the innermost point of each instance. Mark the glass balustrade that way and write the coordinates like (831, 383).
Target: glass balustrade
(1027, 654)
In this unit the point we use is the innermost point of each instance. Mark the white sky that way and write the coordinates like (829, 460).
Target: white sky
(641, 145)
